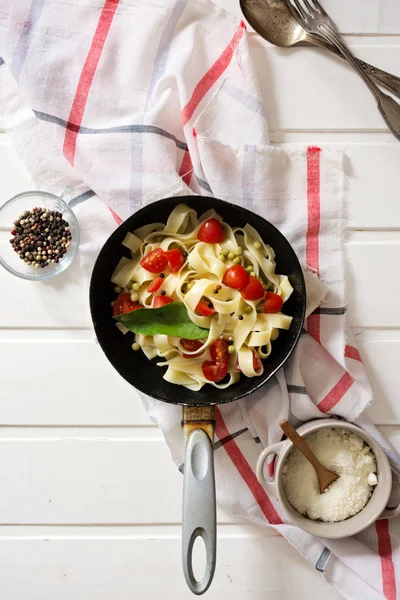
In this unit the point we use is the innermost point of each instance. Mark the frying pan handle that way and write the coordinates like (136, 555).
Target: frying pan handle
(199, 511)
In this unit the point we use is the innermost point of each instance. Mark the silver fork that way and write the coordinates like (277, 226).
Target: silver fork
(314, 19)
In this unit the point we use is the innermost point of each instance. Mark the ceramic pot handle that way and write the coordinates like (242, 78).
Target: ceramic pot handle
(390, 513)
(270, 486)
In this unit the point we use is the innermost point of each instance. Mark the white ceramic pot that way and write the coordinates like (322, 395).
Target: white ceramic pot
(374, 509)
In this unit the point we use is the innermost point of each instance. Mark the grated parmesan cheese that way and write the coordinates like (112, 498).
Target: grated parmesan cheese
(342, 452)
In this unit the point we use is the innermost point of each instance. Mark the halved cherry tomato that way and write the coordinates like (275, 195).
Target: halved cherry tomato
(204, 310)
(256, 362)
(124, 304)
(155, 261)
(219, 352)
(213, 371)
(191, 346)
(236, 277)
(211, 232)
(155, 284)
(175, 259)
(253, 290)
(272, 303)
(161, 301)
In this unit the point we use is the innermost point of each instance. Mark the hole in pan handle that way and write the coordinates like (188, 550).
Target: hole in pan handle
(199, 511)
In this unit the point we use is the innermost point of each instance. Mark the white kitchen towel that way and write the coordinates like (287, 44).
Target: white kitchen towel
(134, 101)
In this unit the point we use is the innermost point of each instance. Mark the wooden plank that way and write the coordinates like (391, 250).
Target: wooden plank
(59, 303)
(64, 304)
(89, 477)
(380, 352)
(371, 168)
(74, 382)
(373, 279)
(250, 566)
(316, 90)
(79, 387)
(374, 179)
(93, 477)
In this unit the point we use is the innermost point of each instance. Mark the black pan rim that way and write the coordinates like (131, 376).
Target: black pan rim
(125, 226)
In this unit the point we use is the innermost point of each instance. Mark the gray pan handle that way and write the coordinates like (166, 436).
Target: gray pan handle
(199, 511)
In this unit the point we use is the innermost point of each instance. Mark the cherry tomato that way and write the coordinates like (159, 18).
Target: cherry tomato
(272, 303)
(161, 301)
(256, 362)
(219, 352)
(253, 290)
(155, 284)
(211, 232)
(191, 346)
(204, 310)
(236, 277)
(214, 372)
(155, 261)
(124, 304)
(175, 259)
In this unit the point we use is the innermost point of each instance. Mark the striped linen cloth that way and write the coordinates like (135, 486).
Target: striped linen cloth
(129, 102)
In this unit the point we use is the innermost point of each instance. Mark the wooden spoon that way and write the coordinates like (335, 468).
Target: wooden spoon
(325, 477)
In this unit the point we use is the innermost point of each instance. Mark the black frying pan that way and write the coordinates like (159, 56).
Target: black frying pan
(198, 413)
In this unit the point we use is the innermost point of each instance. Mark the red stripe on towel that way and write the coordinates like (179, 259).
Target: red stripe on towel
(351, 352)
(86, 77)
(313, 207)
(336, 393)
(313, 226)
(245, 471)
(314, 326)
(116, 218)
(186, 170)
(212, 75)
(387, 566)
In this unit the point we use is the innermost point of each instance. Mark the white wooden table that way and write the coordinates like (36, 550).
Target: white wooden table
(89, 498)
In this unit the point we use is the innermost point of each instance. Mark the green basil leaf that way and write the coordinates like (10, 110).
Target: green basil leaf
(172, 319)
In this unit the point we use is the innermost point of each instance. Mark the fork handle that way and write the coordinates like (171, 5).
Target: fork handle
(391, 82)
(388, 108)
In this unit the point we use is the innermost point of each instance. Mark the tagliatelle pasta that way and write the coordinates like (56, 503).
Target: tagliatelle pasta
(199, 281)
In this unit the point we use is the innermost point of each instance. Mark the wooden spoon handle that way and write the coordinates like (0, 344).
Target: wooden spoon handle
(300, 444)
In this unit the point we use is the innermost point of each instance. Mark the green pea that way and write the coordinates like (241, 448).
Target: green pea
(252, 273)
(257, 245)
(236, 260)
(248, 309)
(250, 268)
(224, 252)
(134, 297)
(135, 286)
(231, 255)
(231, 349)
(222, 257)
(135, 346)
(117, 289)
(239, 251)
(189, 285)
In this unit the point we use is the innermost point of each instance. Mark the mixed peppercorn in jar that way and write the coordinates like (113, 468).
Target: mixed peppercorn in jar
(41, 237)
